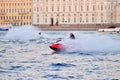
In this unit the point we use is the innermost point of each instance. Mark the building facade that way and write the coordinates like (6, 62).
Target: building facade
(51, 12)
(118, 12)
(15, 12)
(74, 11)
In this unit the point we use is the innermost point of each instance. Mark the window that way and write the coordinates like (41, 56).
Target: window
(9, 17)
(24, 23)
(26, 17)
(9, 4)
(21, 17)
(15, 17)
(6, 4)
(101, 7)
(37, 0)
(18, 17)
(12, 10)
(30, 4)
(75, 8)
(87, 19)
(98, 7)
(9, 10)
(37, 9)
(93, 19)
(57, 8)
(81, 8)
(1, 17)
(52, 8)
(69, 8)
(37, 20)
(46, 9)
(15, 10)
(30, 17)
(80, 19)
(45, 20)
(80, 14)
(6, 10)
(18, 10)
(101, 19)
(62, 19)
(75, 20)
(27, 4)
(86, 14)
(12, 4)
(30, 10)
(63, 8)
(101, 14)
(69, 15)
(87, 8)
(68, 19)
(12, 17)
(93, 7)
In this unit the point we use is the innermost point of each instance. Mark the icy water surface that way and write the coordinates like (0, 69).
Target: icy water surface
(25, 55)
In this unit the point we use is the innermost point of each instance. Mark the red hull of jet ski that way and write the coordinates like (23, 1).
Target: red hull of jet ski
(57, 47)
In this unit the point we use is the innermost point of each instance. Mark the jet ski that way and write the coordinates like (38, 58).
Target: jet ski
(4, 29)
(57, 47)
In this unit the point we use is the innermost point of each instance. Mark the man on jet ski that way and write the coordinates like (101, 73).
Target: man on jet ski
(72, 36)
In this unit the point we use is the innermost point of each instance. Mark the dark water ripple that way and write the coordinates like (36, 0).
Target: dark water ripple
(3, 51)
(62, 65)
(57, 77)
(1, 55)
(32, 40)
(96, 53)
(31, 61)
(9, 73)
(18, 67)
(24, 50)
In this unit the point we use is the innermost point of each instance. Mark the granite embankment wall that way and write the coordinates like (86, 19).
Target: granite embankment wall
(76, 27)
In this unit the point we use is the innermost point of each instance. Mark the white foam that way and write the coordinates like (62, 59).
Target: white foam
(93, 42)
(22, 32)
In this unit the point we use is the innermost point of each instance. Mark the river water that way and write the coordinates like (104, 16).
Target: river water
(25, 55)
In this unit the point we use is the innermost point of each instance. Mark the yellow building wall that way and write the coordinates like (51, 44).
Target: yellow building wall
(15, 12)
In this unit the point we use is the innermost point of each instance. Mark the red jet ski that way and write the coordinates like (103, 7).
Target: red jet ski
(57, 47)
